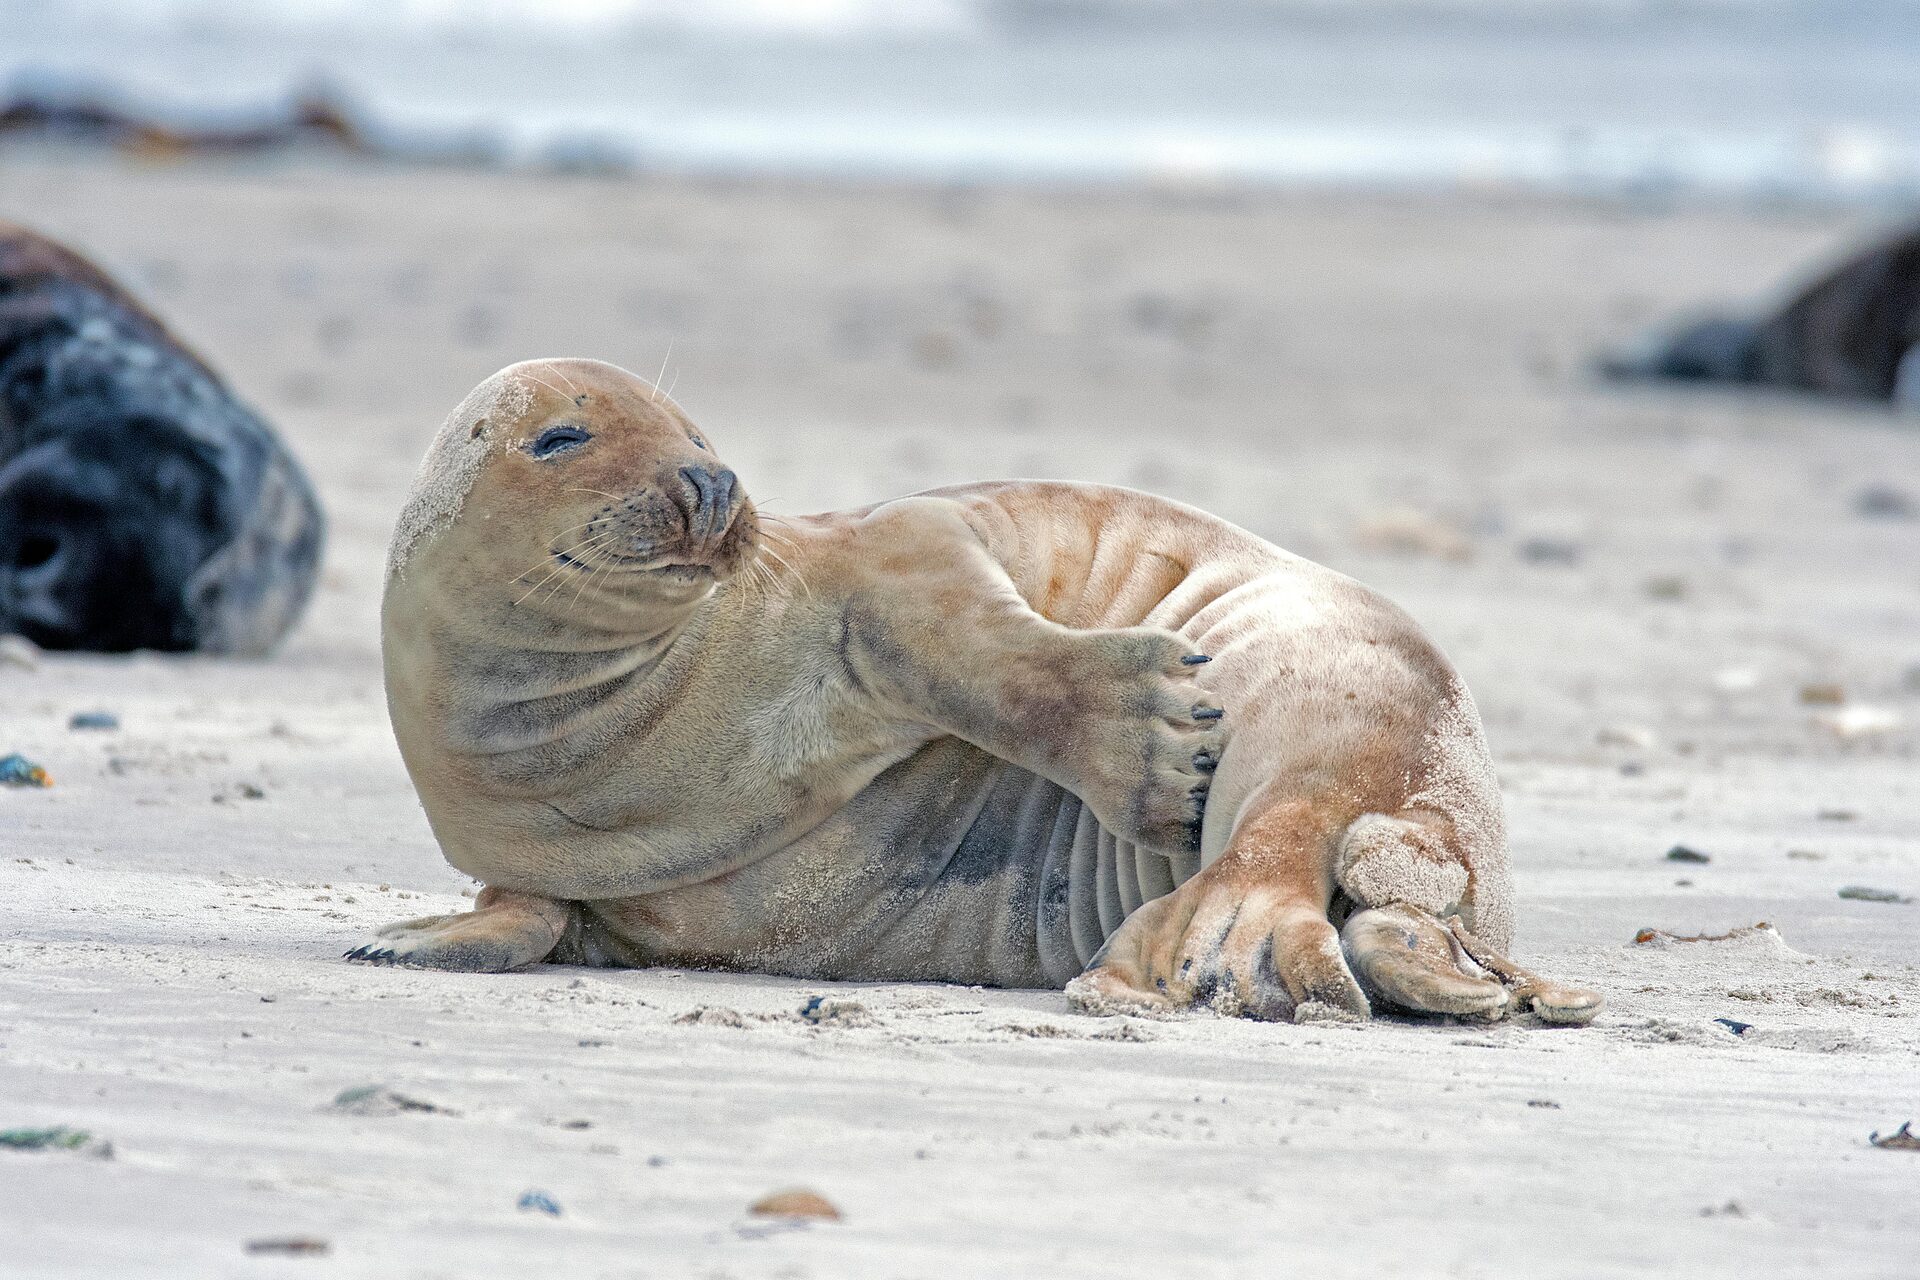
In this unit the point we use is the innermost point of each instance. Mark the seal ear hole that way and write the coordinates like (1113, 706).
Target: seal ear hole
(558, 440)
(478, 427)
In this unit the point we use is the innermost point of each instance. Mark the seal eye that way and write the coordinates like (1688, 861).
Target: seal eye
(698, 443)
(558, 440)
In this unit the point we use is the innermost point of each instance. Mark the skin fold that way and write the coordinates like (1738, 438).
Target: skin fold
(1015, 733)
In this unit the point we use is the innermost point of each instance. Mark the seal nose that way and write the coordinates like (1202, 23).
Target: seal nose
(712, 498)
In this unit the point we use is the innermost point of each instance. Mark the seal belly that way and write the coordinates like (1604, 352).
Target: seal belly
(985, 873)
(951, 866)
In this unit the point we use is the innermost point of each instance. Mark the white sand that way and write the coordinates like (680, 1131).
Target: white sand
(169, 975)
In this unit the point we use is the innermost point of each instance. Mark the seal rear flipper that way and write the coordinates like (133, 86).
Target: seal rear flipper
(505, 930)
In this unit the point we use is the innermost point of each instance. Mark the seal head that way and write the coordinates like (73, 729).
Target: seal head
(572, 493)
(142, 506)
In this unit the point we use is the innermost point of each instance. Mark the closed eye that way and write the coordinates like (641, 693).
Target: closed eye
(558, 440)
(698, 443)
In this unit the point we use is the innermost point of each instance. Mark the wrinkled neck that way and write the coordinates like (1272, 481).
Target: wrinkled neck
(499, 678)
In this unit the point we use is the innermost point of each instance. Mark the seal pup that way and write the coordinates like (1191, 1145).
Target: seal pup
(1023, 734)
(141, 505)
(1854, 331)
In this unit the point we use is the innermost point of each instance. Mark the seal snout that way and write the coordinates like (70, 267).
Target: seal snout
(710, 497)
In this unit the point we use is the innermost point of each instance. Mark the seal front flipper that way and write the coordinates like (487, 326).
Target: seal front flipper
(1116, 715)
(505, 930)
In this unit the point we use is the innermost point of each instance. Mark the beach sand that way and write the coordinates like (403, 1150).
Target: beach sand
(1643, 588)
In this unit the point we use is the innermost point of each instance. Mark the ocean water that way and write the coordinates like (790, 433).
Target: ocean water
(1767, 98)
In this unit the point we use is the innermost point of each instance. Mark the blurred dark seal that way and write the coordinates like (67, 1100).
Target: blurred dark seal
(1854, 331)
(141, 505)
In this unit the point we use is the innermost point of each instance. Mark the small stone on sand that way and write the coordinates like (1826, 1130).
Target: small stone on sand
(18, 771)
(1406, 532)
(1901, 1139)
(794, 1202)
(1860, 721)
(1864, 893)
(1823, 694)
(58, 1138)
(378, 1100)
(290, 1247)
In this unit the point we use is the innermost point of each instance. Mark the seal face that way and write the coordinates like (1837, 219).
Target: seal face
(1016, 733)
(141, 505)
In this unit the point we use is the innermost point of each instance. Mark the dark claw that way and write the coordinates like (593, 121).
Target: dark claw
(1207, 713)
(1205, 762)
(1194, 659)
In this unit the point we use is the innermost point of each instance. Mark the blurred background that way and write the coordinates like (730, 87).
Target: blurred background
(1752, 97)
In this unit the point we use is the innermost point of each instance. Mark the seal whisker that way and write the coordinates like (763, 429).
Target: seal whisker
(662, 373)
(548, 385)
(548, 558)
(580, 557)
(782, 561)
(574, 555)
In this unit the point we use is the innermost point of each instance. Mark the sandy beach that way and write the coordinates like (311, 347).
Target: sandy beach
(1689, 619)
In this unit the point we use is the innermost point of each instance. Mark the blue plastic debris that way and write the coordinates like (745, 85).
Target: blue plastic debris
(1738, 1028)
(539, 1202)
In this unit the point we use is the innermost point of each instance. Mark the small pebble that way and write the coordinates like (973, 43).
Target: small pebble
(18, 771)
(290, 1247)
(1738, 1028)
(377, 1100)
(538, 1202)
(93, 720)
(1405, 532)
(1860, 721)
(794, 1202)
(58, 1138)
(1627, 735)
(1556, 551)
(822, 1012)
(1901, 1139)
(1823, 695)
(1863, 893)
(1884, 502)
(1680, 853)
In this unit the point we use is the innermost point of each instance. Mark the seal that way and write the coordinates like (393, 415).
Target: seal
(1853, 331)
(142, 506)
(1021, 734)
